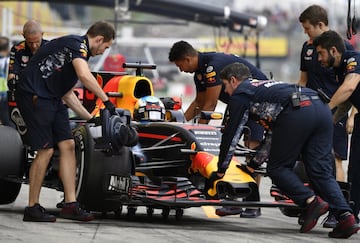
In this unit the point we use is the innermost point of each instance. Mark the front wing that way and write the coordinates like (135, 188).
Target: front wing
(179, 192)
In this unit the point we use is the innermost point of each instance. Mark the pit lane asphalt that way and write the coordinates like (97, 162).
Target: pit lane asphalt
(197, 225)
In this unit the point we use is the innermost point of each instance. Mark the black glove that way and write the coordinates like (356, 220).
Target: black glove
(96, 120)
(246, 169)
(110, 107)
(213, 177)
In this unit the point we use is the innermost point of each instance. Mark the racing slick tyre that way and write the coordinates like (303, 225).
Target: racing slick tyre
(8, 191)
(11, 164)
(96, 169)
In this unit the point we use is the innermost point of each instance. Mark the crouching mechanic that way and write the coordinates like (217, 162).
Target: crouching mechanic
(301, 123)
(43, 86)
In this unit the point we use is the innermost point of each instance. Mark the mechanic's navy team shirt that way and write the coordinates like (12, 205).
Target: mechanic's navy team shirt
(20, 55)
(50, 73)
(318, 75)
(350, 63)
(272, 96)
(210, 65)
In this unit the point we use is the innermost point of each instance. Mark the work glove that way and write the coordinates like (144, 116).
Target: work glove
(247, 169)
(94, 120)
(213, 177)
(110, 107)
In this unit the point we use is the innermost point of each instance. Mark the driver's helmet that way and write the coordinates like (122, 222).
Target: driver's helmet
(149, 108)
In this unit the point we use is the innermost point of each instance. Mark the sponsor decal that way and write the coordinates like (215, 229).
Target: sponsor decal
(119, 183)
(351, 59)
(25, 59)
(271, 83)
(204, 133)
(209, 69)
(309, 52)
(351, 66)
(83, 50)
(209, 140)
(17, 118)
(21, 46)
(211, 80)
(83, 53)
(210, 75)
(267, 83)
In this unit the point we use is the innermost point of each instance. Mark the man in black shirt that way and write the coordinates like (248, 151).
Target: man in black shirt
(44, 85)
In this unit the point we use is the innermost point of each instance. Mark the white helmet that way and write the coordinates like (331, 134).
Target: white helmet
(149, 108)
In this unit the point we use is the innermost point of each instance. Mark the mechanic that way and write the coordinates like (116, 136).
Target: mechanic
(20, 55)
(332, 53)
(314, 21)
(4, 63)
(301, 123)
(44, 86)
(209, 89)
(22, 52)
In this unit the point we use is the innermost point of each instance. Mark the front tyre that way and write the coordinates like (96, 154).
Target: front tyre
(93, 169)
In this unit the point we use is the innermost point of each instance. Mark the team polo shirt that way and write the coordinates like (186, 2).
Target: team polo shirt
(20, 55)
(210, 65)
(50, 73)
(350, 63)
(318, 75)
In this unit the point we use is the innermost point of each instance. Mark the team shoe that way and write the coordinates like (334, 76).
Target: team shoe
(73, 211)
(37, 213)
(225, 211)
(60, 204)
(312, 213)
(346, 226)
(251, 213)
(330, 221)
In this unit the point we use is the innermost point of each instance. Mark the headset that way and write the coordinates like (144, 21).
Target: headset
(351, 21)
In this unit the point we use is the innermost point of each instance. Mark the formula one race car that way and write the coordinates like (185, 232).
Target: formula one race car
(174, 159)
(147, 155)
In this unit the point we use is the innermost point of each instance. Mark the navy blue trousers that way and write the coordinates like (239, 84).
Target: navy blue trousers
(305, 131)
(354, 167)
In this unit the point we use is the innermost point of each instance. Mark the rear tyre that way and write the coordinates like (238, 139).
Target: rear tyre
(8, 191)
(11, 164)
